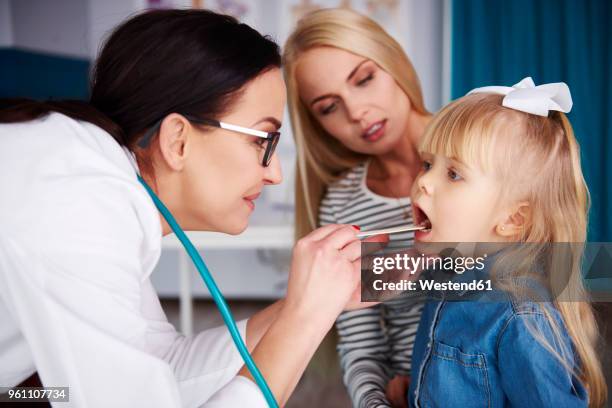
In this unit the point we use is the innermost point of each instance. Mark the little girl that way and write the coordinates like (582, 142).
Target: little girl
(499, 167)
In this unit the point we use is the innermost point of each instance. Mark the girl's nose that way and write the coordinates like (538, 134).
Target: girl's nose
(425, 184)
(273, 174)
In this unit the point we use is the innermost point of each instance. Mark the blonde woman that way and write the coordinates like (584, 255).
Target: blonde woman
(357, 114)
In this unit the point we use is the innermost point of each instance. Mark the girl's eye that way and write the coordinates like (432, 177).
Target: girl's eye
(426, 165)
(365, 80)
(453, 175)
(329, 108)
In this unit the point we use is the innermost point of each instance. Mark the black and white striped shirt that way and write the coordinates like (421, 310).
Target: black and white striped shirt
(375, 344)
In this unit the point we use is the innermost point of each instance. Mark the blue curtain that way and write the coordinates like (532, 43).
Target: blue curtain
(42, 76)
(499, 42)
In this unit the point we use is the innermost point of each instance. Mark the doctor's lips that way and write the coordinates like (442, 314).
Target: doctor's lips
(420, 218)
(250, 200)
(374, 131)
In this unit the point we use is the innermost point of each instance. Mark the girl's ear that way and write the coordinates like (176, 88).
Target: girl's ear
(516, 220)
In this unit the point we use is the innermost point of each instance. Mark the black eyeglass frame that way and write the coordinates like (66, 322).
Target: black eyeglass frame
(271, 137)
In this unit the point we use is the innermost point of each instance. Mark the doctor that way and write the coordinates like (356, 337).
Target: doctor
(80, 236)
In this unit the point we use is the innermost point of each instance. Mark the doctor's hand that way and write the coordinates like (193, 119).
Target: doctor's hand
(325, 273)
(377, 242)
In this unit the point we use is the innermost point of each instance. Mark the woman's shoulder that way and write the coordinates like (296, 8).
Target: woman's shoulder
(56, 137)
(349, 179)
(343, 188)
(58, 166)
(341, 193)
(62, 146)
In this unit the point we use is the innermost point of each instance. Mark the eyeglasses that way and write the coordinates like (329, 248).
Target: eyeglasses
(271, 138)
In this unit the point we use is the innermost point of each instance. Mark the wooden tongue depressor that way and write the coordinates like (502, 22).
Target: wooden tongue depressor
(395, 230)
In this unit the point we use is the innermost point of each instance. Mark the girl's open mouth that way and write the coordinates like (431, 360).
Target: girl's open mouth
(421, 219)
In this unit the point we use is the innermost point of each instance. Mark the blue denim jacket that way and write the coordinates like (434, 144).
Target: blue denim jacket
(483, 354)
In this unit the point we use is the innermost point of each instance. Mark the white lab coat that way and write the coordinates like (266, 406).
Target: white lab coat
(79, 238)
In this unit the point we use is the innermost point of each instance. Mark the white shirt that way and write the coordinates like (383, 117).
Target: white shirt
(79, 238)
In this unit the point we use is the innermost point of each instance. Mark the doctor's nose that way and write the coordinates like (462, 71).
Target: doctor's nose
(273, 174)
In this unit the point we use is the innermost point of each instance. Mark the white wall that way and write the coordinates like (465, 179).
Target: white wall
(424, 47)
(103, 16)
(73, 28)
(6, 24)
(57, 27)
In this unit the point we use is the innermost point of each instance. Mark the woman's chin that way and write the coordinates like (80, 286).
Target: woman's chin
(383, 146)
(236, 228)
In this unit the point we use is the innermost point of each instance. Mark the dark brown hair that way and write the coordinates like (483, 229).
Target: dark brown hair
(192, 62)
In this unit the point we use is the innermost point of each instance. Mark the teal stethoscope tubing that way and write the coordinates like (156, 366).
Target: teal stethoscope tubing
(216, 295)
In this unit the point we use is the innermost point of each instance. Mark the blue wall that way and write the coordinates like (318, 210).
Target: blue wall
(42, 76)
(499, 42)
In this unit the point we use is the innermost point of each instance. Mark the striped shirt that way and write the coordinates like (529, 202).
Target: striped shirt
(375, 344)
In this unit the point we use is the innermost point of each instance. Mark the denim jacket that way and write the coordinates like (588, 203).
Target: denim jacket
(478, 353)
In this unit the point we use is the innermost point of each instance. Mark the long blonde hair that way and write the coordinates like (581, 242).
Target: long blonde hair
(320, 157)
(536, 159)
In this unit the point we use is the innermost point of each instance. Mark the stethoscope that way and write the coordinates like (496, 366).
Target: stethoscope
(216, 295)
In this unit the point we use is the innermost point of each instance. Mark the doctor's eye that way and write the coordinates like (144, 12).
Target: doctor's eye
(260, 142)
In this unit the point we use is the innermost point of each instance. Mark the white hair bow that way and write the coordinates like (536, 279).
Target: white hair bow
(527, 97)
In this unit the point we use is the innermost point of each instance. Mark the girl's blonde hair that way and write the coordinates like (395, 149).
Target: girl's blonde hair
(537, 160)
(320, 157)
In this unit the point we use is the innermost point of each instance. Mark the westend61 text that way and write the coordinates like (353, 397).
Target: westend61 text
(429, 285)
